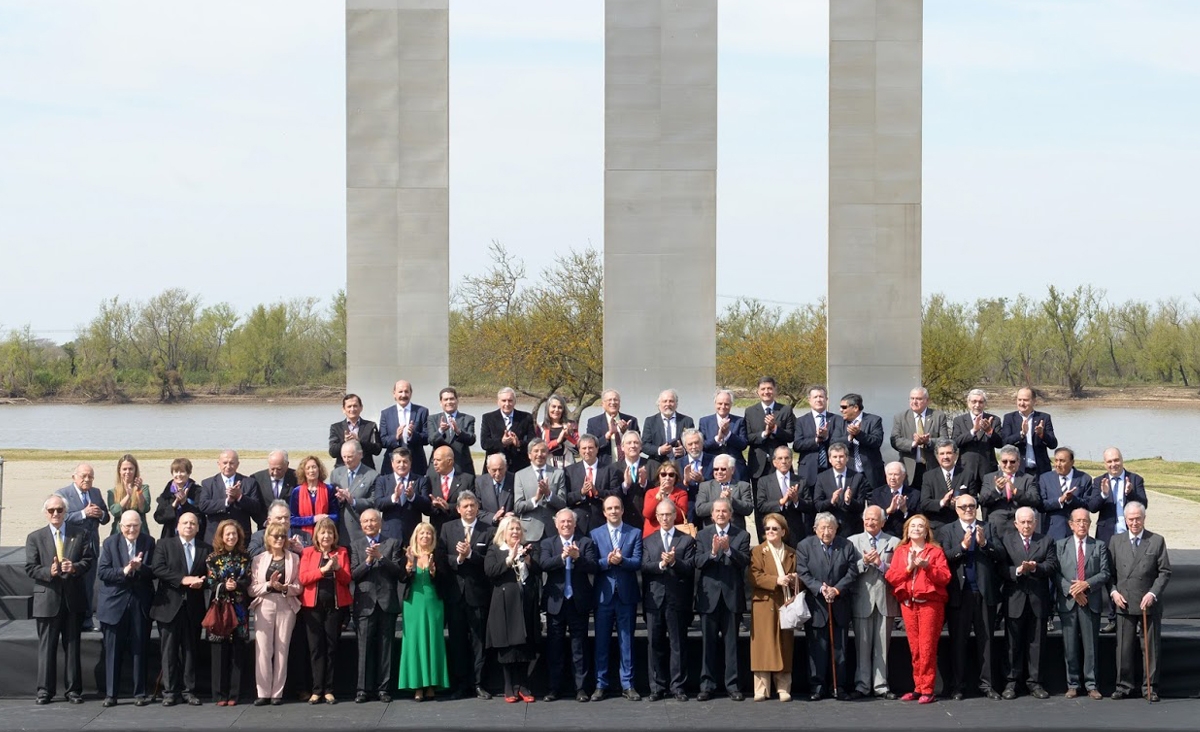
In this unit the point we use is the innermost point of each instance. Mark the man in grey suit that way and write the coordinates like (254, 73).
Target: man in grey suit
(454, 428)
(354, 480)
(1083, 571)
(57, 557)
(86, 512)
(915, 430)
(874, 606)
(495, 490)
(539, 492)
(725, 485)
(1141, 569)
(375, 566)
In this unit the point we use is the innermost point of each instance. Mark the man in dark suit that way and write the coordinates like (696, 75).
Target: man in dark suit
(610, 426)
(695, 467)
(178, 606)
(662, 432)
(1006, 490)
(914, 432)
(86, 513)
(1083, 573)
(1031, 432)
(1062, 490)
(971, 549)
(722, 555)
(827, 564)
(588, 484)
(1110, 493)
(376, 564)
(1029, 562)
(841, 491)
(274, 483)
(123, 607)
(941, 485)
(226, 495)
(635, 476)
(354, 427)
(619, 548)
(507, 430)
(769, 424)
(725, 434)
(453, 428)
(864, 433)
(57, 558)
(445, 483)
(668, 567)
(725, 485)
(404, 424)
(977, 435)
(401, 497)
(1141, 570)
(569, 559)
(467, 594)
(495, 490)
(816, 429)
(355, 483)
(897, 499)
(782, 491)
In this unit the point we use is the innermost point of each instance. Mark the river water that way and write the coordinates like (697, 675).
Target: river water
(1138, 430)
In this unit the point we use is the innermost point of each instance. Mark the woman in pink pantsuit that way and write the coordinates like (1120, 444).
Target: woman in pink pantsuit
(275, 587)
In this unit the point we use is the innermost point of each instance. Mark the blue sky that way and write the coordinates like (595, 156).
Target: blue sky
(146, 145)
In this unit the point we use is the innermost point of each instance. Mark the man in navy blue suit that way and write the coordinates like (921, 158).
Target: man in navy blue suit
(123, 608)
(619, 547)
(1109, 495)
(85, 513)
(864, 433)
(725, 433)
(816, 430)
(668, 567)
(1031, 432)
(228, 495)
(769, 424)
(507, 430)
(610, 426)
(569, 561)
(404, 424)
(662, 432)
(696, 467)
(1063, 490)
(402, 497)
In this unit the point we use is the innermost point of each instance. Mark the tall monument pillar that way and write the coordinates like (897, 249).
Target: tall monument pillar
(660, 201)
(875, 201)
(397, 198)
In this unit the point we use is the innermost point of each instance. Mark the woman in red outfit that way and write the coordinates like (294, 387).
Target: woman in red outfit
(668, 488)
(325, 600)
(918, 576)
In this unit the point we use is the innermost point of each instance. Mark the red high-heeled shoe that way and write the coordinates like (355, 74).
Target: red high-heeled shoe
(526, 696)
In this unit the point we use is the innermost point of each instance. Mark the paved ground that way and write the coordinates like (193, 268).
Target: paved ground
(618, 715)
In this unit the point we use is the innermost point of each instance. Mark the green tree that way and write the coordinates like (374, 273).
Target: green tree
(1071, 319)
(952, 360)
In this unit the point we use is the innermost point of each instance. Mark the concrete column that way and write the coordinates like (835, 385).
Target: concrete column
(397, 198)
(660, 199)
(875, 201)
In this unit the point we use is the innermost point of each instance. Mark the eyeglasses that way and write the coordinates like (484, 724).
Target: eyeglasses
(668, 475)
(54, 510)
(843, 406)
(771, 528)
(278, 538)
(966, 507)
(1008, 462)
(715, 468)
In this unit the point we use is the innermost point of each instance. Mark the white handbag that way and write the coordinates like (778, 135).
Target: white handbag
(794, 612)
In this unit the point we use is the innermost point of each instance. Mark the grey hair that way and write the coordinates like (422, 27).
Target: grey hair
(823, 518)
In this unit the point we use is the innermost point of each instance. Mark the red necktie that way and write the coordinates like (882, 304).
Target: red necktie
(589, 474)
(446, 487)
(1079, 562)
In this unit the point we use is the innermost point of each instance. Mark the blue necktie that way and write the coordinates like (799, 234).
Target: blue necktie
(569, 591)
(822, 456)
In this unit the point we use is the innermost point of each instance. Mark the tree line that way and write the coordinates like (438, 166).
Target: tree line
(542, 335)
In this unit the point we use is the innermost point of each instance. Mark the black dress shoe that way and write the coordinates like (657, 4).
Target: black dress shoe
(141, 701)
(599, 694)
(1038, 692)
(42, 700)
(582, 696)
(992, 694)
(856, 695)
(75, 698)
(814, 697)
(704, 696)
(841, 696)
(385, 697)
(110, 701)
(261, 701)
(360, 697)
(481, 693)
(631, 694)
(551, 697)
(1152, 696)
(1120, 694)
(888, 695)
(680, 696)
(169, 701)
(957, 696)
(277, 701)
(1009, 693)
(736, 695)
(192, 700)
(1109, 627)
(654, 696)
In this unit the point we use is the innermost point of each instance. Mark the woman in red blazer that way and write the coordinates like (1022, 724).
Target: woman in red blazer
(325, 599)
(670, 488)
(918, 575)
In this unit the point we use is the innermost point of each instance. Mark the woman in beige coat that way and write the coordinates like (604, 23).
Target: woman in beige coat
(772, 568)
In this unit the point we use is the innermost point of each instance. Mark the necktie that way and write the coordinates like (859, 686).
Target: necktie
(1026, 541)
(828, 551)
(497, 488)
(668, 430)
(616, 538)
(58, 543)
(403, 483)
(920, 430)
(822, 456)
(229, 482)
(446, 487)
(1062, 484)
(568, 590)
(508, 422)
(1008, 488)
(83, 498)
(666, 541)
(971, 541)
(1119, 500)
(948, 481)
(616, 440)
(874, 543)
(275, 487)
(351, 477)
(1079, 561)
(840, 484)
(1137, 541)
(187, 552)
(541, 474)
(633, 474)
(590, 476)
(768, 411)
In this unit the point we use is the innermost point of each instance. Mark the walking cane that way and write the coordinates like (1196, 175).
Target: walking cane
(1146, 652)
(832, 658)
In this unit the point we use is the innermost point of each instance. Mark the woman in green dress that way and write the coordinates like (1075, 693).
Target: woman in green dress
(130, 491)
(423, 650)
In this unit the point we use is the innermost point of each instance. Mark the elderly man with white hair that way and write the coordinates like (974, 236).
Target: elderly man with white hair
(874, 606)
(977, 435)
(1028, 562)
(724, 485)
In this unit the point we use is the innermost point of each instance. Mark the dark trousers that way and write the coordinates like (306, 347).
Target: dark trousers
(322, 627)
(666, 633)
(130, 635)
(63, 628)
(376, 637)
(1080, 627)
(1129, 660)
(1024, 635)
(817, 640)
(573, 620)
(718, 635)
(972, 615)
(179, 639)
(228, 658)
(467, 625)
